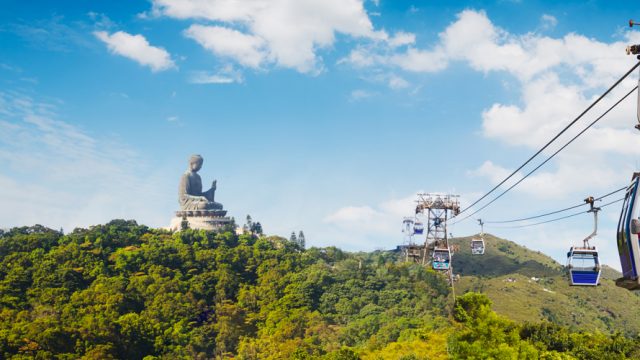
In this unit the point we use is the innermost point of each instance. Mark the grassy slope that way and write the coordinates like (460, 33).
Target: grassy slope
(504, 273)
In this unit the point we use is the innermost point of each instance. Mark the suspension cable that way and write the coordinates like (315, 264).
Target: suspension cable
(553, 220)
(553, 212)
(552, 155)
(554, 138)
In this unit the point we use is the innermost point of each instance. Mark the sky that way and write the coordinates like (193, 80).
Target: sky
(326, 116)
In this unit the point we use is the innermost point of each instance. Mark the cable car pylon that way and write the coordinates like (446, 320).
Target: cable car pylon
(435, 210)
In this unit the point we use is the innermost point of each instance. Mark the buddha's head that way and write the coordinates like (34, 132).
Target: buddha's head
(195, 162)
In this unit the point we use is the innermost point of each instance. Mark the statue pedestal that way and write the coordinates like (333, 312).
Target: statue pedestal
(200, 219)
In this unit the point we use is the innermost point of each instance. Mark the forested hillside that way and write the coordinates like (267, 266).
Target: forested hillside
(526, 285)
(124, 291)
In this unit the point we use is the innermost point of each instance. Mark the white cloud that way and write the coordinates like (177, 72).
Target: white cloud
(225, 75)
(492, 171)
(402, 38)
(475, 40)
(246, 49)
(137, 48)
(555, 184)
(549, 106)
(396, 82)
(548, 21)
(359, 94)
(283, 32)
(360, 58)
(420, 60)
(359, 224)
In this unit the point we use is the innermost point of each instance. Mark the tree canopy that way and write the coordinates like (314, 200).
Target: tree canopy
(125, 291)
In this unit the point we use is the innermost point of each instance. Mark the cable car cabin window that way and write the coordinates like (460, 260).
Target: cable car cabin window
(441, 256)
(584, 261)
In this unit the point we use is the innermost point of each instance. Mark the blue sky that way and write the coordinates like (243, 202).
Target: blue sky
(319, 115)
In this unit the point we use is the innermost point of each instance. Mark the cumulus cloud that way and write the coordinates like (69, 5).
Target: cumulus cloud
(419, 60)
(282, 32)
(364, 222)
(402, 38)
(549, 106)
(475, 40)
(246, 49)
(573, 176)
(138, 49)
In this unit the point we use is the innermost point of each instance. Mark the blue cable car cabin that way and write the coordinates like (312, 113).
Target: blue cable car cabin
(582, 261)
(584, 266)
(477, 246)
(441, 259)
(627, 237)
(418, 228)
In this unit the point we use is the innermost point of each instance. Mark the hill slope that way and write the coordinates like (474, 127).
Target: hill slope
(526, 285)
(125, 291)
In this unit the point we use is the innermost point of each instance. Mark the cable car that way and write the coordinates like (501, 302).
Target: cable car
(627, 238)
(441, 259)
(584, 266)
(407, 226)
(582, 261)
(418, 228)
(477, 246)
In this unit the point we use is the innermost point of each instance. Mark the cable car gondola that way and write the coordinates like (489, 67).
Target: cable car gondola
(477, 246)
(418, 228)
(582, 261)
(441, 259)
(584, 266)
(627, 237)
(407, 226)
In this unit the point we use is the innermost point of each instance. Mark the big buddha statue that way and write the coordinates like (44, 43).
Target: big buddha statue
(190, 194)
(198, 209)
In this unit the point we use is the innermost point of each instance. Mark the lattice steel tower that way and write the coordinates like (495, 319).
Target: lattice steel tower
(437, 209)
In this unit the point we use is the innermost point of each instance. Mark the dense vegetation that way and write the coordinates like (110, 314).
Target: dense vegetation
(125, 291)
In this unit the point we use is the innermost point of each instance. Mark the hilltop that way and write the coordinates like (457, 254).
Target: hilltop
(526, 285)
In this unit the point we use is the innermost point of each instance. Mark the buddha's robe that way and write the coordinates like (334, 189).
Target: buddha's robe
(190, 195)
